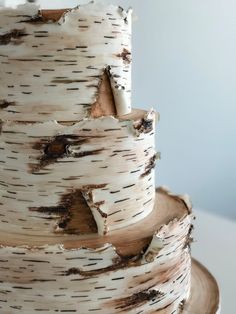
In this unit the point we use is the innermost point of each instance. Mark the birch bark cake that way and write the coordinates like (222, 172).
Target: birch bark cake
(82, 227)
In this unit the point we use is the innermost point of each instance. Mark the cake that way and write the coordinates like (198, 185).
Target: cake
(82, 227)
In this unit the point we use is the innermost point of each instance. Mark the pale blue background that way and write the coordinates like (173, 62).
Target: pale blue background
(184, 66)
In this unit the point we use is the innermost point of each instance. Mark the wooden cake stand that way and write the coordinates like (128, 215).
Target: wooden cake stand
(205, 296)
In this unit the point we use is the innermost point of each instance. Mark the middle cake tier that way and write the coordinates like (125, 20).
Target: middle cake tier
(94, 176)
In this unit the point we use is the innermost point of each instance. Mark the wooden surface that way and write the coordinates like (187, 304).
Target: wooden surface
(53, 15)
(205, 297)
(168, 208)
(214, 236)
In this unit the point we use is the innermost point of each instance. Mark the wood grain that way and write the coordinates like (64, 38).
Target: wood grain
(205, 296)
(147, 278)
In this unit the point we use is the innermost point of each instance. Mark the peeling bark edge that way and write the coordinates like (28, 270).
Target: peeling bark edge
(59, 16)
(146, 124)
(110, 246)
(30, 14)
(119, 94)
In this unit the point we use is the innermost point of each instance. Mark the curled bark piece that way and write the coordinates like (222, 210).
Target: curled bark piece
(119, 94)
(40, 162)
(72, 214)
(68, 70)
(146, 124)
(129, 284)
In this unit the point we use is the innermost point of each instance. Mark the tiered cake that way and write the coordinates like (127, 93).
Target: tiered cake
(82, 228)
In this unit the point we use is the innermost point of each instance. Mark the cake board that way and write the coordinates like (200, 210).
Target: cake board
(205, 296)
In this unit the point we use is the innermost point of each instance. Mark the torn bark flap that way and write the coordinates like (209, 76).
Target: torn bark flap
(146, 124)
(73, 214)
(150, 166)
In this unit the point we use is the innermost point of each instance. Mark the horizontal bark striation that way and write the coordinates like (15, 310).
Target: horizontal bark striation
(150, 166)
(118, 264)
(5, 104)
(137, 299)
(36, 19)
(41, 161)
(14, 37)
(73, 214)
(130, 284)
(68, 70)
(60, 147)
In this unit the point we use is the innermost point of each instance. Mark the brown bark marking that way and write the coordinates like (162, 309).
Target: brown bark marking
(59, 147)
(93, 187)
(88, 193)
(67, 81)
(125, 55)
(151, 165)
(137, 299)
(119, 263)
(75, 216)
(182, 305)
(14, 36)
(189, 238)
(88, 153)
(36, 19)
(4, 104)
(105, 103)
(44, 16)
(144, 125)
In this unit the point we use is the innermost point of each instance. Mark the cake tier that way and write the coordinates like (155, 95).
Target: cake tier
(96, 175)
(144, 269)
(53, 63)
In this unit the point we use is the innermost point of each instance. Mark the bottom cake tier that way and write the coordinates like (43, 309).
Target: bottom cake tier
(145, 268)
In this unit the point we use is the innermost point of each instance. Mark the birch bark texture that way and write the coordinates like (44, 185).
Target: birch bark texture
(82, 228)
(71, 67)
(105, 279)
(51, 67)
(45, 167)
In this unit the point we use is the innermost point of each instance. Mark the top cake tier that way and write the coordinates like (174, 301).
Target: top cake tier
(64, 65)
